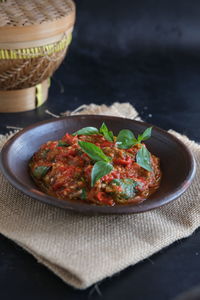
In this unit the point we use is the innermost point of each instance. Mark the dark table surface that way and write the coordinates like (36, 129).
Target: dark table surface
(146, 53)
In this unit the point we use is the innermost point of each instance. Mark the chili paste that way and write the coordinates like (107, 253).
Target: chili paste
(64, 170)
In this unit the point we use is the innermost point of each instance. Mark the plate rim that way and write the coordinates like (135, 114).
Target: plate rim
(85, 208)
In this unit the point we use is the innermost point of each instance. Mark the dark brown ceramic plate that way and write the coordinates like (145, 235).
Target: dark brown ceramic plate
(177, 162)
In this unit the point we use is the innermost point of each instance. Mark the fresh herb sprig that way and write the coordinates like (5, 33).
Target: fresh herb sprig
(102, 166)
(108, 135)
(125, 140)
(86, 131)
(145, 135)
(93, 151)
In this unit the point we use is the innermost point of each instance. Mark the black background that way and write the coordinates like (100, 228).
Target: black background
(142, 52)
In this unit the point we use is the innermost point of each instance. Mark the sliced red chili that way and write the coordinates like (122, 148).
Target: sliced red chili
(124, 162)
(104, 198)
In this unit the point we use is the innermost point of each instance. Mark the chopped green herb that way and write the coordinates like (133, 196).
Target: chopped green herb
(62, 144)
(43, 154)
(128, 187)
(41, 171)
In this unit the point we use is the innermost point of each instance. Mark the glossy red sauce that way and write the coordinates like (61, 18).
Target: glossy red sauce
(62, 169)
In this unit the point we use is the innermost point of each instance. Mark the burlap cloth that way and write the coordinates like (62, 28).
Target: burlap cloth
(83, 250)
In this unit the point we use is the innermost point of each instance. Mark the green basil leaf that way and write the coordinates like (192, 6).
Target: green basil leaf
(125, 139)
(100, 169)
(83, 194)
(143, 159)
(106, 133)
(41, 171)
(62, 144)
(135, 141)
(128, 187)
(111, 135)
(93, 151)
(145, 135)
(86, 131)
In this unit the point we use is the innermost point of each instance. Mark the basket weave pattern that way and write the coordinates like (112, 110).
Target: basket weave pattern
(24, 73)
(26, 12)
(34, 38)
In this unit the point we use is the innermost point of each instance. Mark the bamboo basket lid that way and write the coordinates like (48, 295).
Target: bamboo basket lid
(34, 38)
(24, 21)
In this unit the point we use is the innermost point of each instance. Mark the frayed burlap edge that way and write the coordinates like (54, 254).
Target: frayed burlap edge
(175, 221)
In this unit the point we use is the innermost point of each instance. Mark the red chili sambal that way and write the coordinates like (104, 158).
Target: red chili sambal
(66, 170)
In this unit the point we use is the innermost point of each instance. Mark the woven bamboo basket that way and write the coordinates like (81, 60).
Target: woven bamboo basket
(34, 38)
